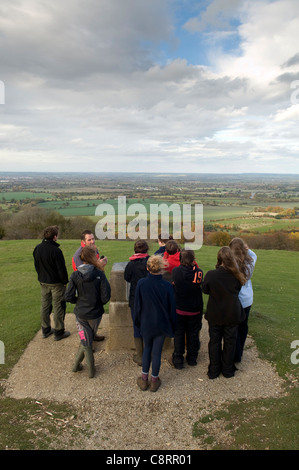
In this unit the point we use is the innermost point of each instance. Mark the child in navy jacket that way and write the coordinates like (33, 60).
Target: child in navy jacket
(155, 316)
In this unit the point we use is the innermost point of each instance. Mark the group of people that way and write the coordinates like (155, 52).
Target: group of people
(88, 288)
(165, 300)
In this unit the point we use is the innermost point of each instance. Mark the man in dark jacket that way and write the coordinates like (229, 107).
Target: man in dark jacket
(52, 274)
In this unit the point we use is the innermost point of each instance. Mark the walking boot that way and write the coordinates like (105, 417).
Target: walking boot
(78, 359)
(47, 332)
(155, 384)
(58, 335)
(139, 351)
(142, 384)
(89, 361)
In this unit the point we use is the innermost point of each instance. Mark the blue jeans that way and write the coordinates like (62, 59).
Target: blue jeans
(242, 335)
(152, 352)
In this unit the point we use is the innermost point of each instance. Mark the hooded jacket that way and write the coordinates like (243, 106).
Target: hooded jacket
(89, 289)
(136, 269)
(172, 261)
(186, 282)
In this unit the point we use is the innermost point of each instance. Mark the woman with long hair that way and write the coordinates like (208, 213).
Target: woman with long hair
(224, 312)
(246, 260)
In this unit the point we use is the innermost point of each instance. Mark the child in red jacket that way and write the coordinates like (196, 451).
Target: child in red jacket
(171, 258)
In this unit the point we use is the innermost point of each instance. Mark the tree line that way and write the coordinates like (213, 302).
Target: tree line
(30, 224)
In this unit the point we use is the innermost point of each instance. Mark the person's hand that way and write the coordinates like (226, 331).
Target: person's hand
(101, 263)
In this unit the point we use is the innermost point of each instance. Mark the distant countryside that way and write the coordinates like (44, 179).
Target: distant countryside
(261, 208)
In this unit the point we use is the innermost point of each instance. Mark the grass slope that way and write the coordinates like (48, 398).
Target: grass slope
(273, 319)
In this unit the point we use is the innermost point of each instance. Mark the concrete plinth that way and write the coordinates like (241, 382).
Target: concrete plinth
(120, 320)
(121, 333)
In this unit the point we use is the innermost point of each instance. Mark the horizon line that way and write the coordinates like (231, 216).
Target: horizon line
(146, 173)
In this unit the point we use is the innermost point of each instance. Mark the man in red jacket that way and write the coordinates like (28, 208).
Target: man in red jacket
(87, 239)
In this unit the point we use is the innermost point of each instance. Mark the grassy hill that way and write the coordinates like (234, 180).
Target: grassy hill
(273, 321)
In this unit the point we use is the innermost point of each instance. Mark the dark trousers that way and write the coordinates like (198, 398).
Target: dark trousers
(186, 336)
(52, 299)
(242, 335)
(137, 333)
(222, 356)
(87, 330)
(152, 352)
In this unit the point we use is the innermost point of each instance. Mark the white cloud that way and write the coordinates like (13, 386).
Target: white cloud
(290, 114)
(91, 81)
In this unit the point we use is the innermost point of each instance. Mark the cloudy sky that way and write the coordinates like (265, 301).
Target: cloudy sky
(149, 85)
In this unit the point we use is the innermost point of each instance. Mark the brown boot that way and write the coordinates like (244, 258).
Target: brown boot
(143, 384)
(155, 384)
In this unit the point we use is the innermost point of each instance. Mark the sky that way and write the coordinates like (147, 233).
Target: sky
(172, 86)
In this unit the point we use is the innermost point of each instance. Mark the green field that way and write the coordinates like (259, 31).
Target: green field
(19, 195)
(87, 207)
(229, 202)
(273, 325)
(240, 215)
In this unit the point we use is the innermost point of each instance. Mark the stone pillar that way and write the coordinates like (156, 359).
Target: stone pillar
(120, 320)
(121, 333)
